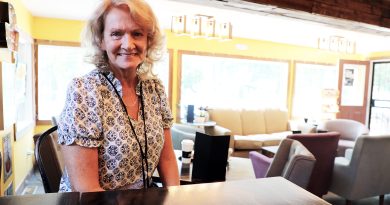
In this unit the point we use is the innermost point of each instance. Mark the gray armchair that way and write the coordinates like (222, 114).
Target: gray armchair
(349, 131)
(365, 171)
(292, 161)
(180, 132)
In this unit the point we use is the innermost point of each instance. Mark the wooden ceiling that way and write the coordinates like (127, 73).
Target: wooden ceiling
(374, 12)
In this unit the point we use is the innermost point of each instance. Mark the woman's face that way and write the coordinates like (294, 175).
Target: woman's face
(124, 41)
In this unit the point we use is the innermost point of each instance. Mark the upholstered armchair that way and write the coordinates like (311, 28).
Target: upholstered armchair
(349, 131)
(324, 148)
(365, 173)
(292, 161)
(180, 132)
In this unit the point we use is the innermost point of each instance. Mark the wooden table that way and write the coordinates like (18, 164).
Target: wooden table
(269, 151)
(274, 190)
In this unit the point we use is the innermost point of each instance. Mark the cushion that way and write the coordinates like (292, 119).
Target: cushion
(228, 118)
(248, 141)
(253, 122)
(275, 138)
(276, 120)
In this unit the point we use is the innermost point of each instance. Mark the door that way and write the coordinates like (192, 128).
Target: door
(353, 85)
(379, 116)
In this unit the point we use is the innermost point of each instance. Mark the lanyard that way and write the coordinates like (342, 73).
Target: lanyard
(144, 154)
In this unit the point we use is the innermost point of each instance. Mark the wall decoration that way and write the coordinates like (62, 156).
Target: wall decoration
(353, 85)
(7, 155)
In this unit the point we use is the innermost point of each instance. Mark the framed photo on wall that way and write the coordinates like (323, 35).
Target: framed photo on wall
(7, 139)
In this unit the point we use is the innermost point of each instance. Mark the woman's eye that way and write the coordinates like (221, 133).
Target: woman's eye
(116, 34)
(138, 34)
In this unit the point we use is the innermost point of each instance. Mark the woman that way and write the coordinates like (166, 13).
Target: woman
(115, 127)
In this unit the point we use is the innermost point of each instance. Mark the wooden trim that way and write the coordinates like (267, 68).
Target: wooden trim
(170, 92)
(56, 43)
(38, 42)
(201, 53)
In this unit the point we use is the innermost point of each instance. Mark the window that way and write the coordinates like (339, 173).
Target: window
(310, 81)
(57, 65)
(227, 82)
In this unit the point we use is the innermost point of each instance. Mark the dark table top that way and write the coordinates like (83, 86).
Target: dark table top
(274, 190)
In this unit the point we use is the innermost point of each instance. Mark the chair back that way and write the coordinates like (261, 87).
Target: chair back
(324, 148)
(348, 129)
(366, 173)
(49, 160)
(293, 162)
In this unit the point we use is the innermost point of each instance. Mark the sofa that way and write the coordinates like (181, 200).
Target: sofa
(252, 129)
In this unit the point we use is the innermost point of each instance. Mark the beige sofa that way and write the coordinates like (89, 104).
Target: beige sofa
(252, 129)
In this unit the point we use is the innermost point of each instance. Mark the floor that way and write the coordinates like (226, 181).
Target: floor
(34, 186)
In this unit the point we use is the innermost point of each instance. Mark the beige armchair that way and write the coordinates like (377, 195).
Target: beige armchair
(365, 173)
(349, 131)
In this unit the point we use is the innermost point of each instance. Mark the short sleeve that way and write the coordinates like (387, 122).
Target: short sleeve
(79, 121)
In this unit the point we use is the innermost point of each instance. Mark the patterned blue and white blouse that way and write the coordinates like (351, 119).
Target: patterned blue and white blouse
(94, 117)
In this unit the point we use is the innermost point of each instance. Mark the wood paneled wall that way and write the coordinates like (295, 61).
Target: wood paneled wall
(376, 12)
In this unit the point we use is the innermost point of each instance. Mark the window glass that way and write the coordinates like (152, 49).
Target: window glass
(232, 82)
(161, 69)
(310, 81)
(57, 66)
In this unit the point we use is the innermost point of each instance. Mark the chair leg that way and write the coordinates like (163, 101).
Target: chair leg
(381, 199)
(348, 202)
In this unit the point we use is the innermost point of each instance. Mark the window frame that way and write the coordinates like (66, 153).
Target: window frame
(180, 54)
(38, 42)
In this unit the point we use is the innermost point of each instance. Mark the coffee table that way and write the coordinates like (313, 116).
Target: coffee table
(237, 169)
(269, 151)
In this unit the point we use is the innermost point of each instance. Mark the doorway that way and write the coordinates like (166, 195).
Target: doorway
(379, 117)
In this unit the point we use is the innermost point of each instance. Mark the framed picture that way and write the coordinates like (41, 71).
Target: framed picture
(7, 140)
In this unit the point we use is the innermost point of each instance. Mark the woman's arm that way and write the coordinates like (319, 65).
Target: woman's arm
(82, 166)
(167, 166)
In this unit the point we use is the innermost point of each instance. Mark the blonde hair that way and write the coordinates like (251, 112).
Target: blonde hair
(139, 10)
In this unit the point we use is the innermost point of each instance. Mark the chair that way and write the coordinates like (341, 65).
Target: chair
(349, 131)
(324, 148)
(180, 132)
(292, 161)
(49, 160)
(365, 173)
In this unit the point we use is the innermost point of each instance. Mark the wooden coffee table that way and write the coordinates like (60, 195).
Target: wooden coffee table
(238, 168)
(269, 151)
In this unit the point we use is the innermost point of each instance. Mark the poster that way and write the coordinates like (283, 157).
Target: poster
(7, 155)
(352, 93)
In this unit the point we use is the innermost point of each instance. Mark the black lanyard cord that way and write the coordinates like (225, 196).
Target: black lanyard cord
(144, 155)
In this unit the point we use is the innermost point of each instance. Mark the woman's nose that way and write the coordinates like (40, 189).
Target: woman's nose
(128, 42)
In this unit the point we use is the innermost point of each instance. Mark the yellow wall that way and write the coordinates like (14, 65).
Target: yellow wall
(23, 162)
(69, 31)
(57, 29)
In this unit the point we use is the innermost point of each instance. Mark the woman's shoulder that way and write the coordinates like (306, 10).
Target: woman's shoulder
(93, 78)
(153, 84)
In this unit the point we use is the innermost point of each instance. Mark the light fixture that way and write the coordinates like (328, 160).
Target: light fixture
(337, 44)
(201, 26)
